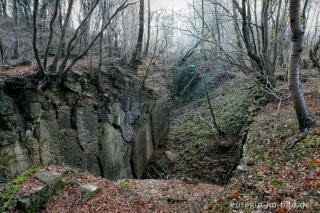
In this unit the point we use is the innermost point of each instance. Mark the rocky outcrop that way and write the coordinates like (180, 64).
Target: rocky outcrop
(109, 131)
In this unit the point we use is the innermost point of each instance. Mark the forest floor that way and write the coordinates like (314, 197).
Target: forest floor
(283, 173)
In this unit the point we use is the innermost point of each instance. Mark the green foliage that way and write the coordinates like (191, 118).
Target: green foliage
(232, 110)
(125, 185)
(68, 172)
(10, 194)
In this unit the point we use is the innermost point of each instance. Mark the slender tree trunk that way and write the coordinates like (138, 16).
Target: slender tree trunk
(257, 28)
(1, 52)
(314, 55)
(268, 67)
(236, 26)
(63, 68)
(4, 8)
(303, 16)
(136, 59)
(214, 121)
(54, 16)
(203, 53)
(61, 28)
(53, 66)
(217, 24)
(34, 39)
(16, 40)
(98, 74)
(246, 37)
(2, 14)
(149, 28)
(253, 40)
(303, 115)
(153, 56)
(275, 50)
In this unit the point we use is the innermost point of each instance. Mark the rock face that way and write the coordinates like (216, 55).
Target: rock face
(143, 146)
(111, 131)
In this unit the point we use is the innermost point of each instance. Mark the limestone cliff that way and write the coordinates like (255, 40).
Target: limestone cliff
(109, 131)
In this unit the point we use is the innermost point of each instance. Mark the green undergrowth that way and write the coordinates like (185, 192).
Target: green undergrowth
(9, 195)
(283, 163)
(231, 107)
(193, 136)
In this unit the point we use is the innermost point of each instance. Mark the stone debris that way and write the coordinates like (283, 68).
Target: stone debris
(91, 190)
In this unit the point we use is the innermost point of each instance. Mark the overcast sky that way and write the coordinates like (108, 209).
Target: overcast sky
(167, 4)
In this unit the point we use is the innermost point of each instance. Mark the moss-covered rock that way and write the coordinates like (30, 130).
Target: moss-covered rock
(164, 161)
(52, 183)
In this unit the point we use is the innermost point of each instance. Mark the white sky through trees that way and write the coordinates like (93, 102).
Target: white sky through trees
(168, 4)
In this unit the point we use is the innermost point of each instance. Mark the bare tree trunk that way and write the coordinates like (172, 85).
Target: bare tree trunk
(136, 58)
(2, 14)
(314, 55)
(253, 40)
(303, 16)
(257, 28)
(264, 62)
(1, 52)
(61, 28)
(34, 40)
(98, 74)
(203, 53)
(4, 8)
(16, 40)
(275, 50)
(303, 115)
(153, 56)
(214, 121)
(217, 24)
(149, 28)
(53, 66)
(236, 26)
(246, 37)
(268, 67)
(63, 70)
(50, 35)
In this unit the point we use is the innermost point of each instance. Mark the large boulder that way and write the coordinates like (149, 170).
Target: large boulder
(115, 154)
(18, 62)
(143, 146)
(164, 161)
